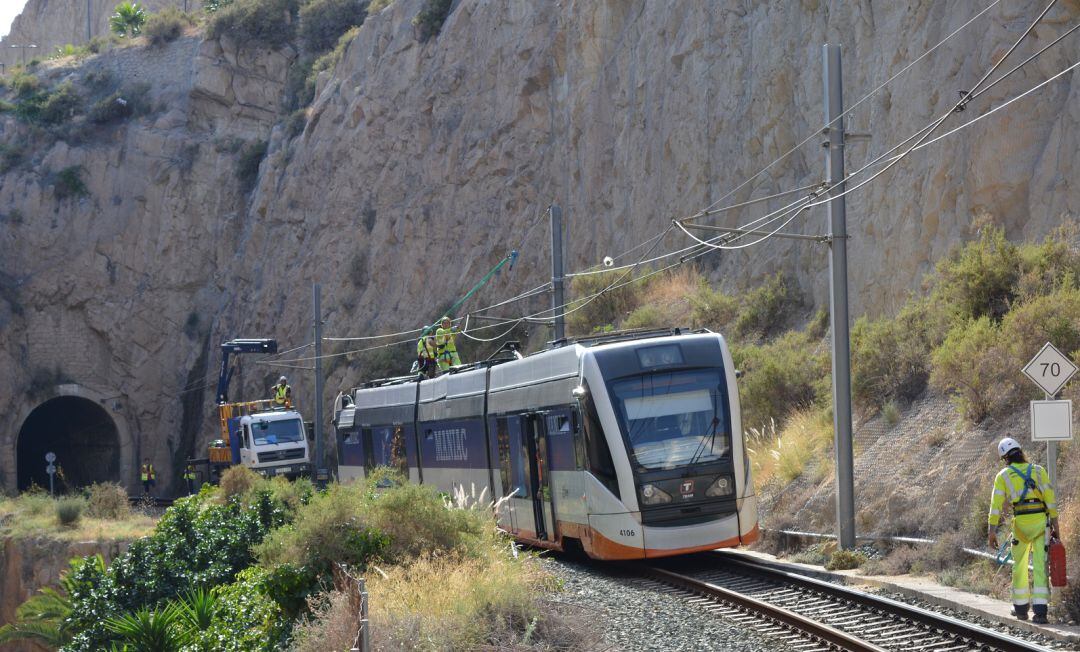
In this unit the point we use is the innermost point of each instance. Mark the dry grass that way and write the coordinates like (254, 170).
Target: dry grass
(801, 448)
(457, 604)
(333, 624)
(34, 515)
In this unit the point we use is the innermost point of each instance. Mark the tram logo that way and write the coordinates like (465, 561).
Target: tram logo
(687, 487)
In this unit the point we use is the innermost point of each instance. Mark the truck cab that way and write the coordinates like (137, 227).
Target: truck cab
(275, 443)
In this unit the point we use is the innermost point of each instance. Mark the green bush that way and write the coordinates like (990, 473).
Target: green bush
(780, 377)
(10, 157)
(712, 309)
(845, 560)
(69, 510)
(197, 543)
(431, 18)
(331, 530)
(764, 310)
(107, 500)
(608, 308)
(270, 22)
(890, 358)
(247, 618)
(1049, 264)
(1053, 317)
(247, 166)
(111, 109)
(48, 108)
(647, 316)
(970, 365)
(323, 22)
(166, 26)
(69, 183)
(979, 279)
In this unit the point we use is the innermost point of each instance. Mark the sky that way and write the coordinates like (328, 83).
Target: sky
(9, 9)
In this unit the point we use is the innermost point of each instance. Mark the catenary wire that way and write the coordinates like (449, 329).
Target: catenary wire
(1025, 61)
(796, 211)
(920, 136)
(708, 210)
(856, 104)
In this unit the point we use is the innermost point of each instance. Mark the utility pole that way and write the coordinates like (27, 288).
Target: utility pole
(838, 298)
(88, 32)
(321, 472)
(555, 213)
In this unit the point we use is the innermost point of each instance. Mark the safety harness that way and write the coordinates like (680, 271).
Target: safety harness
(1032, 506)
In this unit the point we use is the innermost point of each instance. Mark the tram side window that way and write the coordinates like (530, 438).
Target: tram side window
(600, 463)
(502, 436)
(579, 440)
(399, 458)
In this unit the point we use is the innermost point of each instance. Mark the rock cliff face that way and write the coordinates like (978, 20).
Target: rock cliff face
(50, 24)
(421, 164)
(27, 565)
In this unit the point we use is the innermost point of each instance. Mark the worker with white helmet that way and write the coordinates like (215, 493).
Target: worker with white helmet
(282, 393)
(1027, 486)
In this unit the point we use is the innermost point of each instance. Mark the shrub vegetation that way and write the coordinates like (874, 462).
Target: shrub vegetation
(323, 22)
(166, 26)
(69, 183)
(431, 17)
(271, 22)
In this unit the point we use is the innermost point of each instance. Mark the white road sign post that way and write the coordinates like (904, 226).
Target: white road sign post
(50, 457)
(1050, 369)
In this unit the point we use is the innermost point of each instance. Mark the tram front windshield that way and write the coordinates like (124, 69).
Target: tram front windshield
(673, 419)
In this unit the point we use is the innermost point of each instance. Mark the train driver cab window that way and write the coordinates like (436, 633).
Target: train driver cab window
(579, 439)
(596, 446)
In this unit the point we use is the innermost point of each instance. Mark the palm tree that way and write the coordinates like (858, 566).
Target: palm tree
(128, 19)
(150, 631)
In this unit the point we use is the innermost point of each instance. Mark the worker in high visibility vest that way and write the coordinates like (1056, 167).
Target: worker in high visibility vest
(148, 476)
(1027, 487)
(427, 355)
(189, 478)
(282, 393)
(444, 339)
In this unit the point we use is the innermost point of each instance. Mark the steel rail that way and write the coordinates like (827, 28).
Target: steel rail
(811, 628)
(976, 634)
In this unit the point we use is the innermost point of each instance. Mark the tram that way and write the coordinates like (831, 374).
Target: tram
(625, 446)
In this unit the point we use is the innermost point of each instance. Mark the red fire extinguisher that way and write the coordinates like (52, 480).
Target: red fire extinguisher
(1057, 563)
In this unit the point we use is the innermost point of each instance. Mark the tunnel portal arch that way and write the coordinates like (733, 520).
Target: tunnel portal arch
(84, 436)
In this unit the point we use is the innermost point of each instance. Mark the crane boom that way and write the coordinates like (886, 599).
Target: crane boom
(238, 346)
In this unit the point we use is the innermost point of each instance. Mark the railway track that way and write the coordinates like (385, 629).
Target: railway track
(156, 502)
(810, 614)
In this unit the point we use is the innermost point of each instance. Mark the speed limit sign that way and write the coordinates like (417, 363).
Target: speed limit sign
(1050, 369)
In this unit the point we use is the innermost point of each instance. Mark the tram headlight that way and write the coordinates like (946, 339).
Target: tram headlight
(722, 486)
(650, 495)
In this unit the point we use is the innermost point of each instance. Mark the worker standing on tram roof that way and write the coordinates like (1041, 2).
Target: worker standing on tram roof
(1028, 489)
(282, 393)
(426, 355)
(444, 339)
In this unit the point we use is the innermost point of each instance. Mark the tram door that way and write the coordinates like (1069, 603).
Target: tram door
(539, 476)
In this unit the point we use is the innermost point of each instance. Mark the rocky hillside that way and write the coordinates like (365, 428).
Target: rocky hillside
(421, 163)
(50, 24)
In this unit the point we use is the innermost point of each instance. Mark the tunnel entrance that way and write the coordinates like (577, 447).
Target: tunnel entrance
(80, 432)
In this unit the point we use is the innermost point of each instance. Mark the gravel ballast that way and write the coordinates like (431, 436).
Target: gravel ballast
(632, 614)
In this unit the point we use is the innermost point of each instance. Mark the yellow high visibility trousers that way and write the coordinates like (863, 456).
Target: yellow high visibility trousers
(1029, 533)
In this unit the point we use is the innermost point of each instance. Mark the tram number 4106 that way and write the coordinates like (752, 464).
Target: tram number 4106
(627, 533)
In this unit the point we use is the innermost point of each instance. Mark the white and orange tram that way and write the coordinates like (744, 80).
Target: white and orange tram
(627, 447)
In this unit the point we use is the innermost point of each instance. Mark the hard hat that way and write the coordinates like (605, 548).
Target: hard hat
(283, 379)
(445, 318)
(1006, 446)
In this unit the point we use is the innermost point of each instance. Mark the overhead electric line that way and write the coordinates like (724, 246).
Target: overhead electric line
(789, 212)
